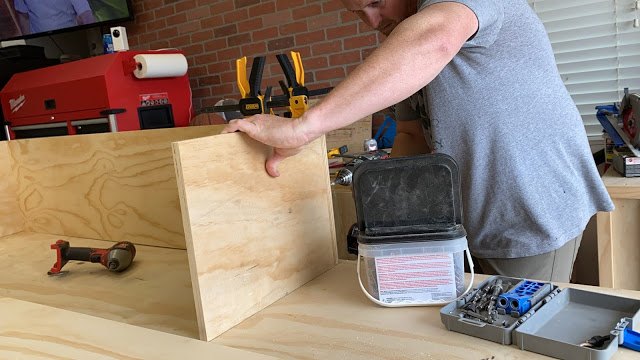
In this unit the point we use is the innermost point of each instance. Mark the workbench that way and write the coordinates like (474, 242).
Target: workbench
(619, 234)
(328, 318)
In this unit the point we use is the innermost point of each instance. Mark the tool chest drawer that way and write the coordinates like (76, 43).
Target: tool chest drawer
(213, 233)
(542, 318)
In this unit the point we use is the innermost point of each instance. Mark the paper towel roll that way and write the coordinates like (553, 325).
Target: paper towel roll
(149, 66)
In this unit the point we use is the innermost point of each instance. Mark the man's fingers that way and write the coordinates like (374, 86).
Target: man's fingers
(272, 164)
(243, 125)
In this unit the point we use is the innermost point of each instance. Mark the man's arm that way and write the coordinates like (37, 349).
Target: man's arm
(409, 139)
(413, 55)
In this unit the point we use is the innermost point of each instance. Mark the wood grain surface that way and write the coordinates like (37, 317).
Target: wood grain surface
(155, 292)
(11, 218)
(115, 186)
(32, 331)
(330, 318)
(251, 239)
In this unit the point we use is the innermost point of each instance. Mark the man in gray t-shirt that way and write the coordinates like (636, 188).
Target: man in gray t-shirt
(479, 82)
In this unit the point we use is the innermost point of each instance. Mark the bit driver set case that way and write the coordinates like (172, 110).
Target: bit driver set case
(541, 318)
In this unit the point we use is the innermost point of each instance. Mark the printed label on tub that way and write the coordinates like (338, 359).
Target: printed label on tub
(416, 278)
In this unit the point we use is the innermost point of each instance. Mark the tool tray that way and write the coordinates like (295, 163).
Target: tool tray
(555, 323)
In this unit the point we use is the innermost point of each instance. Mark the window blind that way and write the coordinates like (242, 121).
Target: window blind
(597, 48)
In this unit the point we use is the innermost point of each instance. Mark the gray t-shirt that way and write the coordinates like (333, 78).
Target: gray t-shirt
(500, 109)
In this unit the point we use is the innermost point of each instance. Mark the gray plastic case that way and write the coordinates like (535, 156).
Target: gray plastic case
(555, 326)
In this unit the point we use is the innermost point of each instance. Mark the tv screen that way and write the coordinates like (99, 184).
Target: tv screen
(21, 19)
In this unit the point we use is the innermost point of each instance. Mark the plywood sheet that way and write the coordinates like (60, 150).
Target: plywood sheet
(11, 219)
(32, 331)
(155, 292)
(116, 186)
(251, 239)
(351, 135)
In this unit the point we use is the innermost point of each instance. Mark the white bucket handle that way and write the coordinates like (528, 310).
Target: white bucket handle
(366, 293)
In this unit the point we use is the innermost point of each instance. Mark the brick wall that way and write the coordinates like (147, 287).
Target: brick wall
(214, 33)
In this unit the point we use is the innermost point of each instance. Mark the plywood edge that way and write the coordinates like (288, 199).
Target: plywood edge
(193, 270)
(334, 240)
(605, 251)
(12, 215)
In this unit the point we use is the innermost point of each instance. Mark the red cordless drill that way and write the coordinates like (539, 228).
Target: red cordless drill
(116, 258)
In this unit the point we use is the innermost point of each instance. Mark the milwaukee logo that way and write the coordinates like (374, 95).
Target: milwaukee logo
(16, 104)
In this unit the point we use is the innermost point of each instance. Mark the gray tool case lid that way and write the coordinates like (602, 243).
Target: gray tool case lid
(408, 199)
(555, 326)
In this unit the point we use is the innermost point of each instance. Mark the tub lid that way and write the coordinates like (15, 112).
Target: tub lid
(408, 195)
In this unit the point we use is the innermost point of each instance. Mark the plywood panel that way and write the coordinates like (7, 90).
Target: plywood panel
(104, 186)
(344, 212)
(32, 331)
(11, 219)
(155, 292)
(251, 239)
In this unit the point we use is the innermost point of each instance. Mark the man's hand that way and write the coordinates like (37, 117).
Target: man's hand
(285, 135)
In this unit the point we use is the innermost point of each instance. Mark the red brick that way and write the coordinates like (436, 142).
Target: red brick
(277, 18)
(250, 25)
(235, 16)
(198, 13)
(254, 49)
(265, 34)
(205, 59)
(360, 41)
(307, 11)
(239, 39)
(288, 4)
(332, 5)
(185, 5)
(188, 27)
(293, 28)
(145, 17)
(332, 73)
(212, 22)
(280, 43)
(209, 80)
(222, 7)
(193, 49)
(316, 63)
(229, 53)
(347, 16)
(262, 9)
(244, 3)
(364, 53)
(342, 31)
(168, 32)
(227, 77)
(345, 58)
(197, 71)
(304, 51)
(168, 2)
(323, 21)
(148, 37)
(156, 25)
(350, 68)
(223, 89)
(177, 19)
(201, 36)
(160, 44)
(326, 48)
(225, 30)
(215, 44)
(200, 92)
(164, 11)
(219, 67)
(310, 37)
(150, 5)
(179, 42)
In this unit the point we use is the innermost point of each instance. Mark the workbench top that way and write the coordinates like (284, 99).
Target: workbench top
(328, 318)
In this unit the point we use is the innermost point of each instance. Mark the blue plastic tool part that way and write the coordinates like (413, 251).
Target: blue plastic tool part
(631, 339)
(603, 111)
(525, 294)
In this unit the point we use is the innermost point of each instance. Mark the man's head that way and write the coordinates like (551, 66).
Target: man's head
(382, 15)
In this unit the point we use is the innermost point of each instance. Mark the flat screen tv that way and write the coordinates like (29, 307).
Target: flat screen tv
(22, 19)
